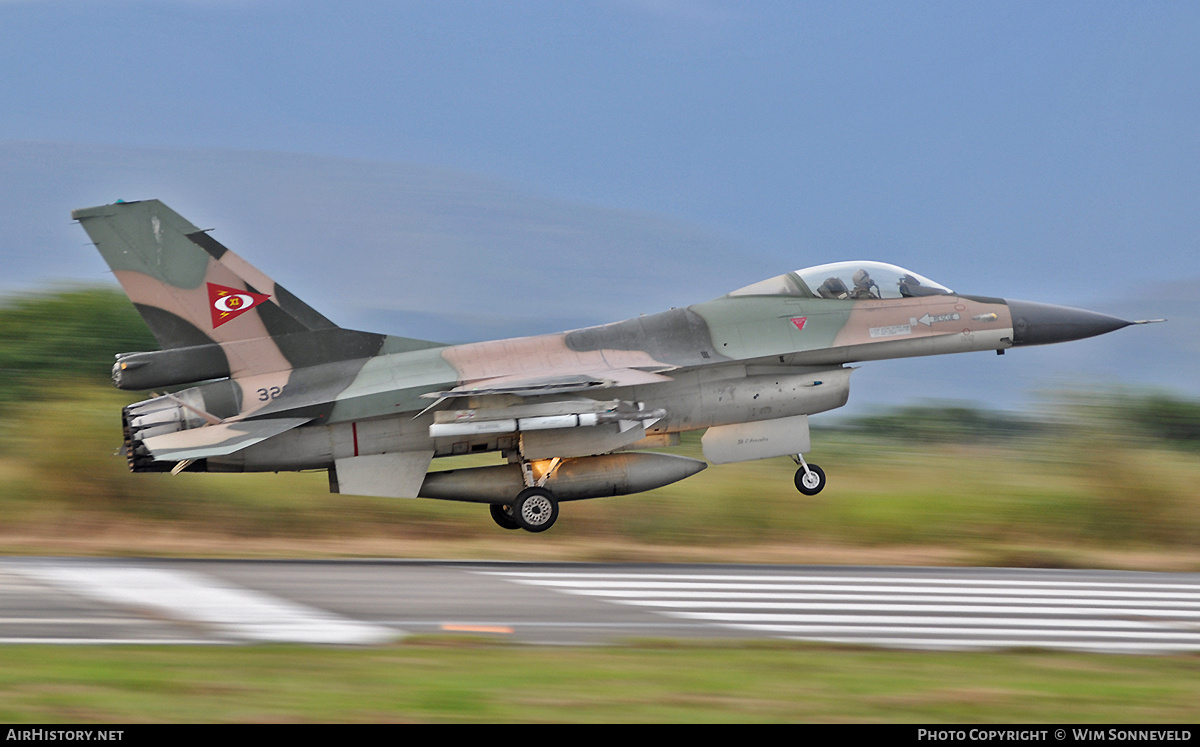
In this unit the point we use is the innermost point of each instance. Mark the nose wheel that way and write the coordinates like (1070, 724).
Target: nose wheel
(810, 479)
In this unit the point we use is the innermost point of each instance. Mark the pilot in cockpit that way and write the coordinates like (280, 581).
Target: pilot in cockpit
(863, 285)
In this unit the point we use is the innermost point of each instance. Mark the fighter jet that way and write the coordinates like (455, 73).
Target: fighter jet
(269, 384)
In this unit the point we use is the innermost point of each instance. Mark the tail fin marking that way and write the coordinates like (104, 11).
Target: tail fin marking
(166, 266)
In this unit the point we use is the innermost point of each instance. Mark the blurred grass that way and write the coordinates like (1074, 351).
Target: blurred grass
(1045, 500)
(470, 680)
(1096, 476)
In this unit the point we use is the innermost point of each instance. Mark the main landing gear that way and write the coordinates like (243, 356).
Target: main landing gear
(503, 516)
(810, 479)
(535, 508)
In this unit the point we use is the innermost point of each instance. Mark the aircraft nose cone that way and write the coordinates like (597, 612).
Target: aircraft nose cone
(1044, 323)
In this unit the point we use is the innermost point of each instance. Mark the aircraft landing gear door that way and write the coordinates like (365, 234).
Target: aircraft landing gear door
(742, 442)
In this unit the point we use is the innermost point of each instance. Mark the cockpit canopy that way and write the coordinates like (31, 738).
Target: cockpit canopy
(847, 280)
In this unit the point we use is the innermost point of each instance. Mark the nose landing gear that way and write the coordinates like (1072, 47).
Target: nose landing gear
(810, 479)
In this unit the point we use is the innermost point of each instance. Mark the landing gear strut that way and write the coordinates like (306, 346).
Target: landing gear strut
(810, 479)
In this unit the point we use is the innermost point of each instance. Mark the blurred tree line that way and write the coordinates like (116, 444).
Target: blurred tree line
(1152, 415)
(1164, 416)
(68, 334)
(1155, 415)
(938, 422)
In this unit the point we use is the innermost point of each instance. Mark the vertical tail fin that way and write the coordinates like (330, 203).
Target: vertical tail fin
(189, 288)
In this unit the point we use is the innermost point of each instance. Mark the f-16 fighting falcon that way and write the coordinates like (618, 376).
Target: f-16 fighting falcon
(273, 385)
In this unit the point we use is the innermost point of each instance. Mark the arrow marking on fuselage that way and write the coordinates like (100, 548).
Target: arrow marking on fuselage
(930, 319)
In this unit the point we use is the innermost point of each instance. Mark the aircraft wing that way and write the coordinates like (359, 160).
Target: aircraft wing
(526, 385)
(217, 440)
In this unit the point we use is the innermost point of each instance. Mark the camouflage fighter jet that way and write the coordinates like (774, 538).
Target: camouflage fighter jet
(277, 386)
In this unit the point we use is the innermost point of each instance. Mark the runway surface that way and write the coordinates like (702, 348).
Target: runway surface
(369, 602)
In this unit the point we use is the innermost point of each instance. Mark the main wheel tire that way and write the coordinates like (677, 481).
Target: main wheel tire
(812, 481)
(535, 509)
(502, 515)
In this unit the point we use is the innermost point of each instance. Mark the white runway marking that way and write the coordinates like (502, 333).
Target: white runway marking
(678, 580)
(951, 610)
(229, 611)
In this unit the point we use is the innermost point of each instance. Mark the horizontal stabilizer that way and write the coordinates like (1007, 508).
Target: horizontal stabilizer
(217, 440)
(526, 386)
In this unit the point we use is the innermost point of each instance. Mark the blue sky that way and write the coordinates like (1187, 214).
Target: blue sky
(1040, 150)
(923, 130)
